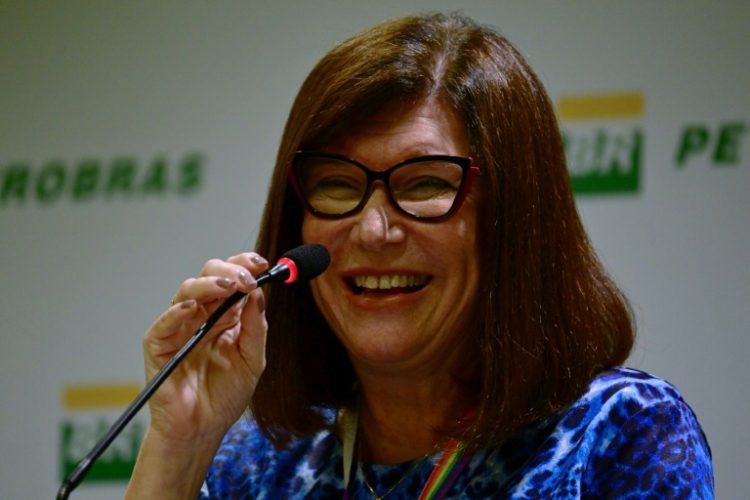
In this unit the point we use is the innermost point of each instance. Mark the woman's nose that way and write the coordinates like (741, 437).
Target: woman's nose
(377, 223)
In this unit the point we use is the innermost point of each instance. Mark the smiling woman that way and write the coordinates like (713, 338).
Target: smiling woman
(380, 239)
(465, 341)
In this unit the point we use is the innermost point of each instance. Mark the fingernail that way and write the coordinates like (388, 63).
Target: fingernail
(257, 259)
(246, 280)
(224, 282)
(261, 304)
(187, 304)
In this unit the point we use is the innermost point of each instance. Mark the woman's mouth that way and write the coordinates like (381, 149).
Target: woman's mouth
(396, 283)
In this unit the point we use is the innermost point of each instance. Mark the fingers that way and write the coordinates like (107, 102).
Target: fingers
(250, 261)
(252, 339)
(170, 331)
(198, 297)
(219, 279)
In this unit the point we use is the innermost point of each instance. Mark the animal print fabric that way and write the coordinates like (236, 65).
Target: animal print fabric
(630, 436)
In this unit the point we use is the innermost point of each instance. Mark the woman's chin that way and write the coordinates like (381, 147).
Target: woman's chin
(389, 352)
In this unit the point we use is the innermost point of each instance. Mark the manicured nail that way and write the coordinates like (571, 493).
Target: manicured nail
(224, 282)
(246, 280)
(257, 259)
(187, 304)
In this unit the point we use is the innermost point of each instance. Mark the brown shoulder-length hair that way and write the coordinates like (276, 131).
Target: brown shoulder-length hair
(548, 316)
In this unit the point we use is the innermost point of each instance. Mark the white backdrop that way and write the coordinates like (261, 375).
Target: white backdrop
(155, 85)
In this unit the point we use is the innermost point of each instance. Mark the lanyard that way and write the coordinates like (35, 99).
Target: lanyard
(446, 471)
(444, 474)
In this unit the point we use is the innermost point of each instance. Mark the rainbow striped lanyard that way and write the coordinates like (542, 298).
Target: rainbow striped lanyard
(452, 461)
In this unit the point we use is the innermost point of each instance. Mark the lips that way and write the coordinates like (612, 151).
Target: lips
(391, 283)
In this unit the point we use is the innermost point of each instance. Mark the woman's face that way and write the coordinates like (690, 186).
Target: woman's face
(423, 323)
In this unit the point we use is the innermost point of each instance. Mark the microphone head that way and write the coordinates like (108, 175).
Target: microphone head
(310, 260)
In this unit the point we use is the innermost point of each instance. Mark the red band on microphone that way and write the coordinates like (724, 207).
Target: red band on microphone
(289, 263)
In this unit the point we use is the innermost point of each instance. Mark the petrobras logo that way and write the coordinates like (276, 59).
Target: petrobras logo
(603, 140)
(103, 179)
(89, 411)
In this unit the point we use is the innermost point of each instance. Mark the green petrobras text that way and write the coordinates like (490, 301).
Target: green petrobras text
(123, 177)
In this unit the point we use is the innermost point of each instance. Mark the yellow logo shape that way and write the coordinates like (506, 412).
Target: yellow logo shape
(91, 396)
(601, 106)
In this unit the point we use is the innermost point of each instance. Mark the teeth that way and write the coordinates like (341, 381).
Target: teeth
(388, 282)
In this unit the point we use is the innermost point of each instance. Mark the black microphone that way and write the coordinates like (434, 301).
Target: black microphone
(302, 263)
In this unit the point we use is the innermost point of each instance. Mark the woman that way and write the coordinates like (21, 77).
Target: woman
(464, 341)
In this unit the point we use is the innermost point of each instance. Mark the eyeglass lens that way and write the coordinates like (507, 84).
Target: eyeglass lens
(424, 188)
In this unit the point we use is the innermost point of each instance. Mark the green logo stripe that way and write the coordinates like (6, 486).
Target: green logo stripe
(77, 438)
(604, 160)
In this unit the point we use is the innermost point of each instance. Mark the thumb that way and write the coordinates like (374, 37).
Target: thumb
(252, 338)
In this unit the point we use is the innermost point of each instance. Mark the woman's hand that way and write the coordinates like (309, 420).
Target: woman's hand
(212, 386)
(208, 391)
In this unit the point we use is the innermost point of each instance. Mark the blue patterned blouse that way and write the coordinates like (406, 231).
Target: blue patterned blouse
(630, 436)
